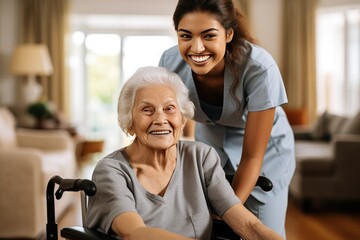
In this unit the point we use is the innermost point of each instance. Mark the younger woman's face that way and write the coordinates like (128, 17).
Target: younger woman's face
(202, 42)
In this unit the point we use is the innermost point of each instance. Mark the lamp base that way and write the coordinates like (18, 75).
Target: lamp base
(31, 91)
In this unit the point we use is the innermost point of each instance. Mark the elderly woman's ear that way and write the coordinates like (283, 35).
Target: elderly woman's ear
(130, 132)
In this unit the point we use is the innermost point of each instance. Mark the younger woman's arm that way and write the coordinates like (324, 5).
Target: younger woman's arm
(257, 133)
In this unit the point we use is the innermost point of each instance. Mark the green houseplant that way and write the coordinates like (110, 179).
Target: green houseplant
(41, 112)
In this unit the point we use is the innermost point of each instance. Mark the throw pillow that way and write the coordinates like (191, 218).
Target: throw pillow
(335, 124)
(319, 130)
(352, 126)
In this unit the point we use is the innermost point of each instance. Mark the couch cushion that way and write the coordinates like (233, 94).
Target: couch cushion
(7, 129)
(314, 157)
(352, 126)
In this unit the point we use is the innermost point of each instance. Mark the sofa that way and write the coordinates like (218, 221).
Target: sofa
(28, 159)
(327, 161)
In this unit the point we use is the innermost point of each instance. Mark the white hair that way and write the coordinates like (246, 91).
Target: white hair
(150, 76)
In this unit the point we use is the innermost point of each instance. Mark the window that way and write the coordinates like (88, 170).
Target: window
(100, 63)
(338, 60)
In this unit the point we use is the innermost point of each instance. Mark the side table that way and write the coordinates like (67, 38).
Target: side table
(87, 147)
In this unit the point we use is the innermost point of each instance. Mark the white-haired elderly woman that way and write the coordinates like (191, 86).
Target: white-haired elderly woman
(160, 187)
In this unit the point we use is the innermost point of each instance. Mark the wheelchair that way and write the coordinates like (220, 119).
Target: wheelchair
(221, 231)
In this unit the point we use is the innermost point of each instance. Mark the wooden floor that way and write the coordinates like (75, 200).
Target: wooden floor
(331, 222)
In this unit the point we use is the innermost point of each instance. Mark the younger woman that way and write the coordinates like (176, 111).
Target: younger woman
(238, 91)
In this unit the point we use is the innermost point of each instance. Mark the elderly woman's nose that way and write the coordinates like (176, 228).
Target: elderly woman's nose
(160, 117)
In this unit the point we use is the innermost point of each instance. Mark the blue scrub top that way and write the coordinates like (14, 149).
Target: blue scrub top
(261, 88)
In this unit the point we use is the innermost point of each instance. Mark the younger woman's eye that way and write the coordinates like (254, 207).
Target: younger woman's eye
(184, 36)
(210, 36)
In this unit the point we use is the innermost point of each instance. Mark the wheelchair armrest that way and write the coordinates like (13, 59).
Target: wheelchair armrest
(222, 231)
(82, 233)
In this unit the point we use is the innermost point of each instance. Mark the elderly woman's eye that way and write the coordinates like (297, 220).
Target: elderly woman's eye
(170, 108)
(147, 110)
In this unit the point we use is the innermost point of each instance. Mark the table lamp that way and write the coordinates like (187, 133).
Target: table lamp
(31, 60)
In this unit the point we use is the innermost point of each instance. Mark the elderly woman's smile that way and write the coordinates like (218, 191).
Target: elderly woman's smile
(160, 132)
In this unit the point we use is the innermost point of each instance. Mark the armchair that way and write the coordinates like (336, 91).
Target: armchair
(28, 159)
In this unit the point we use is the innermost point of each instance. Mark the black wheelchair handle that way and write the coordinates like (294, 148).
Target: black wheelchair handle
(264, 183)
(85, 185)
(74, 185)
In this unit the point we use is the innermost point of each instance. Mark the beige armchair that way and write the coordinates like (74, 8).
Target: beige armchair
(28, 159)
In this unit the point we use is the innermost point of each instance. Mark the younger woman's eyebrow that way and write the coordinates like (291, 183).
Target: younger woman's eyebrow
(205, 31)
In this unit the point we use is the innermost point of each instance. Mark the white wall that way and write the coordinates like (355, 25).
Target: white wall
(116, 7)
(266, 22)
(125, 16)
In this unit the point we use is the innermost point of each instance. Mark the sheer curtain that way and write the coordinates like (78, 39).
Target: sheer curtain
(45, 21)
(299, 58)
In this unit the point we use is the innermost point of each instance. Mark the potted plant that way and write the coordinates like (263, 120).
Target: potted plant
(41, 112)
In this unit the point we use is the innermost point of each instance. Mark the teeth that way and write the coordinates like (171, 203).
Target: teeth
(200, 58)
(160, 132)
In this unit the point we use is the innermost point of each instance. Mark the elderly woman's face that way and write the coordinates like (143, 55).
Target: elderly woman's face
(157, 121)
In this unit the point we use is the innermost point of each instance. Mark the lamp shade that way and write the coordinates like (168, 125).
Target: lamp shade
(31, 60)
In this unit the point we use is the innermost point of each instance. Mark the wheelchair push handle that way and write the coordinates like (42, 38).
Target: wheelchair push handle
(75, 185)
(264, 183)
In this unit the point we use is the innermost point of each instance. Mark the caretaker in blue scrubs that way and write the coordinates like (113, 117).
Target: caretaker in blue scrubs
(238, 91)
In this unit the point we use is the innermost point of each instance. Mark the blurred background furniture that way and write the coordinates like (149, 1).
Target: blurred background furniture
(28, 159)
(86, 148)
(327, 160)
(31, 60)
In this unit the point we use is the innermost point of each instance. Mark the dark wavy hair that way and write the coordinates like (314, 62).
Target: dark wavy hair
(230, 16)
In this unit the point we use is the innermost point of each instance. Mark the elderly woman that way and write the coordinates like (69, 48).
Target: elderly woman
(160, 187)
